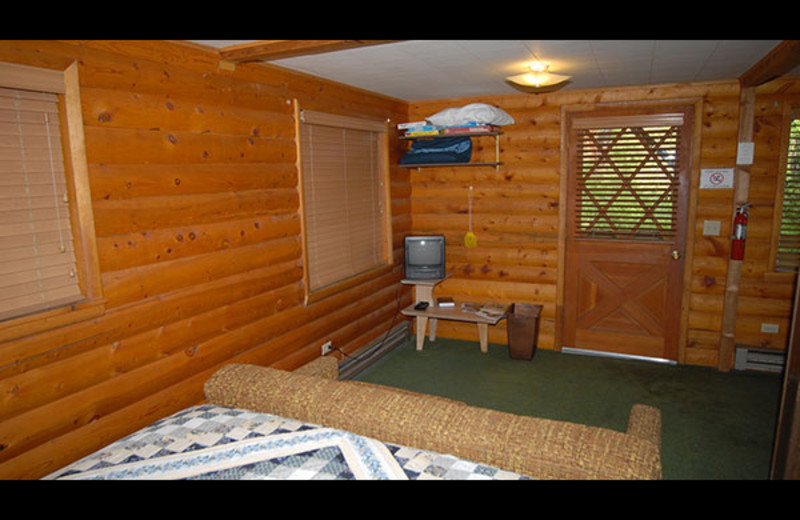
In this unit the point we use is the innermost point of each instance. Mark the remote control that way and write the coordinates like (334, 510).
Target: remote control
(421, 306)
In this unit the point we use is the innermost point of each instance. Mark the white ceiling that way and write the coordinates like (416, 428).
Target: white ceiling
(416, 70)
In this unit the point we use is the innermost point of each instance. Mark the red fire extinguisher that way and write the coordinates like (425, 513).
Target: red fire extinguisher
(739, 232)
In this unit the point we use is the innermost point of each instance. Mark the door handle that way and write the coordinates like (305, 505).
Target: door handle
(676, 255)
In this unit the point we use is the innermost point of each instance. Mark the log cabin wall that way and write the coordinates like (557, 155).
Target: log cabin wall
(516, 212)
(193, 180)
(196, 208)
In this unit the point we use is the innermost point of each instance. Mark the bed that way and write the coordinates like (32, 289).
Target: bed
(212, 442)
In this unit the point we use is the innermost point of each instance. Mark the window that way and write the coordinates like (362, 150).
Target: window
(787, 257)
(628, 176)
(38, 261)
(48, 260)
(345, 201)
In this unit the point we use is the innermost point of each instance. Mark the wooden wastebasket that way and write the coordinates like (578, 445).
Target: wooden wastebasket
(523, 329)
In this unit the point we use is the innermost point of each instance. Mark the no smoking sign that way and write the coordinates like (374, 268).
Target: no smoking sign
(716, 178)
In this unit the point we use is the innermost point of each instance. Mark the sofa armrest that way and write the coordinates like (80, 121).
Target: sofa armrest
(326, 367)
(645, 422)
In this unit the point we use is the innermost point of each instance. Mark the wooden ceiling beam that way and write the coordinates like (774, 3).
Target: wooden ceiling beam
(278, 49)
(780, 60)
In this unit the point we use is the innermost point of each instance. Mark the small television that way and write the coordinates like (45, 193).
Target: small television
(424, 257)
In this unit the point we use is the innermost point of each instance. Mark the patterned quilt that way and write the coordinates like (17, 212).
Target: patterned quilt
(219, 443)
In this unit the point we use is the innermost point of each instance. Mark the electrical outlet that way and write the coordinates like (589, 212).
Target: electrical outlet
(327, 347)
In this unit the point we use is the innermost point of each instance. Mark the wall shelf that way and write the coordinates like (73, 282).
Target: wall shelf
(445, 165)
(496, 163)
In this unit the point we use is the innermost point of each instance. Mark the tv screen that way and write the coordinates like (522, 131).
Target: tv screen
(424, 257)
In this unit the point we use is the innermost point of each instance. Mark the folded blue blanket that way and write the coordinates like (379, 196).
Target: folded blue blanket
(441, 150)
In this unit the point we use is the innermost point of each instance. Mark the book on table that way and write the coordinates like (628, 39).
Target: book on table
(488, 310)
(492, 310)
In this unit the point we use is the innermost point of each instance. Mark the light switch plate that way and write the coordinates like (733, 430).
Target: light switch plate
(711, 228)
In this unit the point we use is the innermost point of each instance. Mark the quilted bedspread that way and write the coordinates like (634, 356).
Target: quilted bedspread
(220, 443)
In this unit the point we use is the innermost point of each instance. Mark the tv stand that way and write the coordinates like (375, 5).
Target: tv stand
(423, 289)
(423, 292)
(428, 318)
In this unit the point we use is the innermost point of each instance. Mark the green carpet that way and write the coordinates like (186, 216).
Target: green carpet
(715, 425)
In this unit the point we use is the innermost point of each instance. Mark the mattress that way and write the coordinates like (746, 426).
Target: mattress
(211, 442)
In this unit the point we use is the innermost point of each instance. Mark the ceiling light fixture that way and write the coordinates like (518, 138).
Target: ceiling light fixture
(539, 79)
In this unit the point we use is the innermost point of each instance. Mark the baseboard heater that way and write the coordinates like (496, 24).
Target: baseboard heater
(600, 353)
(749, 358)
(364, 357)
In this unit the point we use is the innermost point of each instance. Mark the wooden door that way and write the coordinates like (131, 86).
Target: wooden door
(786, 451)
(627, 194)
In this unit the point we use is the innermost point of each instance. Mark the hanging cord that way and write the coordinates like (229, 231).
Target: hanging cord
(56, 202)
(470, 209)
(385, 337)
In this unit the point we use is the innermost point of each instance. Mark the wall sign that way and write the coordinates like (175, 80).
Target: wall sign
(716, 178)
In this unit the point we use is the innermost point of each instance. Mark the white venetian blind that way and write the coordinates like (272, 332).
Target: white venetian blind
(37, 259)
(342, 196)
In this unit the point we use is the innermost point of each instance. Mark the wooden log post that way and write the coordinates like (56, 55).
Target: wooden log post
(727, 341)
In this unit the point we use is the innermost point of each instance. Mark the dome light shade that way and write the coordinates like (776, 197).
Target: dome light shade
(538, 77)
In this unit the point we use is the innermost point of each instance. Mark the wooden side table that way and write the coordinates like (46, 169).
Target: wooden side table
(428, 318)
(434, 313)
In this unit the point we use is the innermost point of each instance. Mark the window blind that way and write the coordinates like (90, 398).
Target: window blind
(788, 255)
(627, 176)
(342, 196)
(37, 258)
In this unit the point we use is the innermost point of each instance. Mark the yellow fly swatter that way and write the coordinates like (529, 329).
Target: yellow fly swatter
(470, 240)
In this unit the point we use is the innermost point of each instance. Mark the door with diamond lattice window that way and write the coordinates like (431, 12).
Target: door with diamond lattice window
(627, 192)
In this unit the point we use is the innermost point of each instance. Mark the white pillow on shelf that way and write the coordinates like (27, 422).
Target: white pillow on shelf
(480, 113)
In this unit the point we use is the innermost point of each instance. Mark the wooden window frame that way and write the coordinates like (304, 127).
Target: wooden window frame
(66, 85)
(790, 113)
(317, 294)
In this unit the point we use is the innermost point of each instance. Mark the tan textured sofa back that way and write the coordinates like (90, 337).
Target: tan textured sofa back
(539, 448)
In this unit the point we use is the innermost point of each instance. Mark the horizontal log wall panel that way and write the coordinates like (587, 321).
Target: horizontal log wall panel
(28, 390)
(27, 353)
(123, 251)
(194, 190)
(118, 145)
(58, 417)
(108, 108)
(126, 181)
(143, 282)
(145, 214)
(45, 458)
(527, 185)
